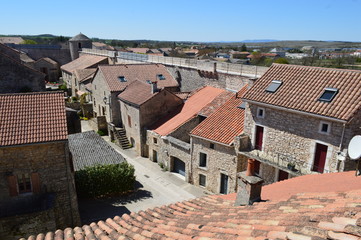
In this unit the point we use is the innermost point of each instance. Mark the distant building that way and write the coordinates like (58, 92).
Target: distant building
(77, 43)
(11, 40)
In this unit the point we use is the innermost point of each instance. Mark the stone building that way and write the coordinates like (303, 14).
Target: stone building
(83, 62)
(49, 67)
(299, 120)
(110, 81)
(37, 191)
(142, 104)
(82, 82)
(77, 43)
(17, 77)
(168, 139)
(215, 163)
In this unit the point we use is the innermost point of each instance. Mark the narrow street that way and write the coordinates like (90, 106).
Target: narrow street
(155, 188)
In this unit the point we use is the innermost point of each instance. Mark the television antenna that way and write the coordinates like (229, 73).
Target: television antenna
(354, 151)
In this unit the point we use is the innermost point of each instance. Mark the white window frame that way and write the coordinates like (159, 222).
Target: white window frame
(258, 111)
(328, 128)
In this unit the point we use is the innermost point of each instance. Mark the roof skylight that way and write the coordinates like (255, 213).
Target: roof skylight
(122, 79)
(328, 94)
(275, 84)
(160, 77)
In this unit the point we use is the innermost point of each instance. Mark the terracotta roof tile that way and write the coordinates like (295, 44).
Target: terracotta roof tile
(84, 61)
(214, 218)
(302, 86)
(32, 118)
(137, 93)
(133, 72)
(216, 103)
(84, 74)
(225, 123)
(186, 111)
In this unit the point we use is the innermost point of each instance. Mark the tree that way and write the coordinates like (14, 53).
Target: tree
(244, 48)
(28, 41)
(281, 61)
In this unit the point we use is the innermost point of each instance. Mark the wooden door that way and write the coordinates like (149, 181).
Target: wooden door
(320, 158)
(259, 138)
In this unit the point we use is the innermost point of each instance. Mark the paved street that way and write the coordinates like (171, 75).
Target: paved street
(155, 188)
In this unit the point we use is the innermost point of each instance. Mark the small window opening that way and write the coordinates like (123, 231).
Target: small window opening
(202, 180)
(328, 94)
(160, 77)
(273, 87)
(211, 145)
(122, 79)
(202, 160)
(260, 112)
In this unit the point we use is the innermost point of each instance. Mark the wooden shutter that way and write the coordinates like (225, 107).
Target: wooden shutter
(13, 190)
(35, 182)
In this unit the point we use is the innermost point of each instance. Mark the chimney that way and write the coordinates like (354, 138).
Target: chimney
(154, 87)
(249, 186)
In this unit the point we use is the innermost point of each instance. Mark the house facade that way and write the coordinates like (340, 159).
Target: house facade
(300, 120)
(37, 189)
(110, 81)
(142, 104)
(215, 162)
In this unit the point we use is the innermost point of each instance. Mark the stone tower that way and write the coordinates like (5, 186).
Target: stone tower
(77, 43)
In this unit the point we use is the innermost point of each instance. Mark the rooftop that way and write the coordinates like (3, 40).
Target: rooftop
(137, 93)
(32, 118)
(225, 123)
(83, 62)
(84, 74)
(89, 149)
(14, 40)
(133, 72)
(303, 86)
(79, 37)
(187, 111)
(216, 103)
(306, 216)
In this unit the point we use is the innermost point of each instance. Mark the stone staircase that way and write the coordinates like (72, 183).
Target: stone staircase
(121, 139)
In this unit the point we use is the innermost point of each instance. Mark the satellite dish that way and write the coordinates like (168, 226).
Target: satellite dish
(354, 147)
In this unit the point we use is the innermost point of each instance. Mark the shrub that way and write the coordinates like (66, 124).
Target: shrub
(101, 133)
(105, 180)
(63, 87)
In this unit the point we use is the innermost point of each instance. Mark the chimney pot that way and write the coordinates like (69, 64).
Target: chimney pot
(250, 167)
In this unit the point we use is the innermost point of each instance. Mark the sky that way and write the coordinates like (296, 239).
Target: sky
(186, 20)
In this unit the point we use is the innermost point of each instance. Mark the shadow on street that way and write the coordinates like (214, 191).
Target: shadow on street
(93, 210)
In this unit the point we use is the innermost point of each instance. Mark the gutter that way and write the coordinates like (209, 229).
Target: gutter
(295, 111)
(206, 139)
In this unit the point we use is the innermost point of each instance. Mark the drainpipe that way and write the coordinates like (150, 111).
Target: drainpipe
(191, 157)
(342, 136)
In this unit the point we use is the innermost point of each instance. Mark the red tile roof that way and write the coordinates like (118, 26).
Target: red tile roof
(85, 74)
(187, 111)
(32, 118)
(84, 61)
(216, 103)
(302, 87)
(133, 72)
(305, 216)
(137, 93)
(225, 123)
(138, 50)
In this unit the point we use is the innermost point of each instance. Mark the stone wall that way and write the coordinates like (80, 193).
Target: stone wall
(293, 137)
(51, 161)
(182, 133)
(52, 70)
(190, 79)
(15, 227)
(16, 77)
(131, 124)
(222, 159)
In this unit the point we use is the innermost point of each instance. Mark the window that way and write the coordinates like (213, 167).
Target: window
(95, 103)
(129, 121)
(260, 112)
(273, 87)
(160, 77)
(325, 127)
(155, 140)
(79, 45)
(202, 160)
(202, 180)
(328, 94)
(148, 81)
(24, 183)
(104, 110)
(211, 145)
(122, 79)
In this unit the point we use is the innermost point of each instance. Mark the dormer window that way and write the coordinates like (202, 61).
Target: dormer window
(122, 79)
(273, 87)
(160, 77)
(242, 106)
(148, 81)
(328, 94)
